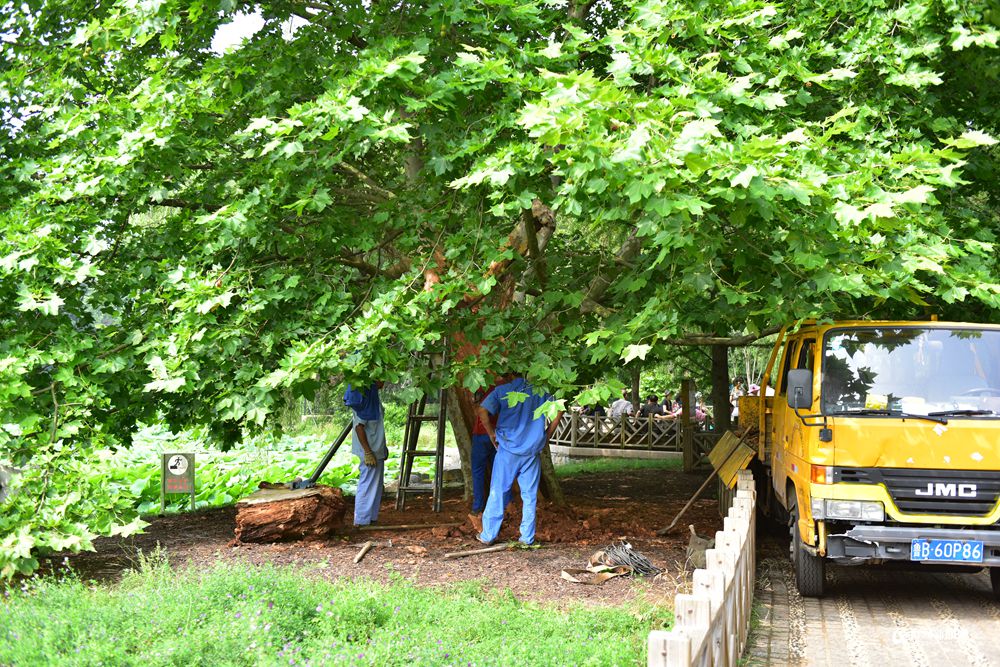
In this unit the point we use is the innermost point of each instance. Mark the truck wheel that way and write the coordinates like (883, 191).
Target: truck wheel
(810, 571)
(995, 581)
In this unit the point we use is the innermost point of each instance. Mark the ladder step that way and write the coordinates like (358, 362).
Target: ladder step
(420, 452)
(424, 418)
(416, 489)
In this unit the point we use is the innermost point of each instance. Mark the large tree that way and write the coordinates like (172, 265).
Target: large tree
(193, 236)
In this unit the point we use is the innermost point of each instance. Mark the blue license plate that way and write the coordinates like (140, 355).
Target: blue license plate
(950, 551)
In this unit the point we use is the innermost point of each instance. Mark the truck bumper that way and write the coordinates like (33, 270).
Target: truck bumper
(866, 543)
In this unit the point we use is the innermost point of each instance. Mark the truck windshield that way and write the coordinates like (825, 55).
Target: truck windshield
(914, 370)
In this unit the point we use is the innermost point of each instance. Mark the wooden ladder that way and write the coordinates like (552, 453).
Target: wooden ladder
(417, 415)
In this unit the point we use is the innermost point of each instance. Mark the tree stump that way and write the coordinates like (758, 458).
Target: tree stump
(275, 515)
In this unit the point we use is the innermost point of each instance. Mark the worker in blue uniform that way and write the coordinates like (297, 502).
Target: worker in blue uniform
(519, 438)
(368, 444)
(483, 455)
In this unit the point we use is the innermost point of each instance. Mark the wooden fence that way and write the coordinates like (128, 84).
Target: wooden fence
(712, 622)
(578, 430)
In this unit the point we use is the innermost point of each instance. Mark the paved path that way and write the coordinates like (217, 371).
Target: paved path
(873, 616)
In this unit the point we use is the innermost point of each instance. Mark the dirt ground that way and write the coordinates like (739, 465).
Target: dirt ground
(607, 507)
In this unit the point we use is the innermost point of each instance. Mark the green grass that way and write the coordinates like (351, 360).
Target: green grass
(235, 615)
(616, 465)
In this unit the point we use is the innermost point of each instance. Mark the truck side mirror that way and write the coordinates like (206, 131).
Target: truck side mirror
(800, 389)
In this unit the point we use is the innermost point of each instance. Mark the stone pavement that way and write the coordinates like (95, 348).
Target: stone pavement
(872, 616)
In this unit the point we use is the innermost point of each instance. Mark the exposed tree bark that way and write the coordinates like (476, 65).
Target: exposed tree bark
(461, 426)
(720, 387)
(551, 488)
(275, 515)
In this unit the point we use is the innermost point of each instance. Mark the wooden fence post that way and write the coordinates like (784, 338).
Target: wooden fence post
(687, 430)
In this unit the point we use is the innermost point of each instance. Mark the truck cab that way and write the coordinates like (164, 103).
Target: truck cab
(881, 442)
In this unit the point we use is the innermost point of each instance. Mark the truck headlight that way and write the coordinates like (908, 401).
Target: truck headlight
(856, 510)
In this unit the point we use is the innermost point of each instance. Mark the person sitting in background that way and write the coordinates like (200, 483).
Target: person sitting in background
(595, 411)
(700, 415)
(621, 407)
(651, 407)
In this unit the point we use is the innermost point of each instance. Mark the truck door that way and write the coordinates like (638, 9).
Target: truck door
(779, 407)
(794, 428)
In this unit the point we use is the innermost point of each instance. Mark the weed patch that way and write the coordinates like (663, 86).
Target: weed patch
(234, 615)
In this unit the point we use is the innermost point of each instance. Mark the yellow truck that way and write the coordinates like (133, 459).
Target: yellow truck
(880, 441)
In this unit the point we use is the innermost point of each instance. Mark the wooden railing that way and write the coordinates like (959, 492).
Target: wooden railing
(577, 430)
(712, 622)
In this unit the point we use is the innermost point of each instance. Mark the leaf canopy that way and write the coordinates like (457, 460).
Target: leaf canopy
(195, 236)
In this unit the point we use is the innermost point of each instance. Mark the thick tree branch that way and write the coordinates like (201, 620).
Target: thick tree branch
(393, 272)
(605, 278)
(579, 10)
(537, 259)
(731, 341)
(386, 195)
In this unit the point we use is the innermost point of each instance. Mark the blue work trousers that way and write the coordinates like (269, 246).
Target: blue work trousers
(369, 496)
(483, 454)
(507, 467)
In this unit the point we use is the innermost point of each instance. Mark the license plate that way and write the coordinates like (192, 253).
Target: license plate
(953, 551)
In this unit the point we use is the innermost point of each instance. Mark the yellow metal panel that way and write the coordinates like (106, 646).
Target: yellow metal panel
(729, 456)
(723, 449)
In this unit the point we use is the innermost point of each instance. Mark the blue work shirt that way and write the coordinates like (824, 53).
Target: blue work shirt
(370, 405)
(518, 432)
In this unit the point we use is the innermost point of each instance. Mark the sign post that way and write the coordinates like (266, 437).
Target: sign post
(176, 476)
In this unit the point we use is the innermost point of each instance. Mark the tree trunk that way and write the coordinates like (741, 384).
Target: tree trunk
(275, 515)
(460, 425)
(720, 387)
(551, 488)
(636, 399)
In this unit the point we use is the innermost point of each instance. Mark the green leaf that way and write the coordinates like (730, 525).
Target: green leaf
(515, 397)
(635, 352)
(742, 179)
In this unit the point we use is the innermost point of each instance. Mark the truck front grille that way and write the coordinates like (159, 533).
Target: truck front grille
(945, 492)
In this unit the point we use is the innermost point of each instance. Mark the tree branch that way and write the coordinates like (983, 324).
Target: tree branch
(386, 195)
(731, 341)
(393, 272)
(579, 10)
(604, 279)
(181, 203)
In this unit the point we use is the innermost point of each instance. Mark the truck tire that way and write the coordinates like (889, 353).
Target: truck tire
(810, 571)
(995, 581)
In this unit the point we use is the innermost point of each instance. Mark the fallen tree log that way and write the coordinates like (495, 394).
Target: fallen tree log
(276, 515)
